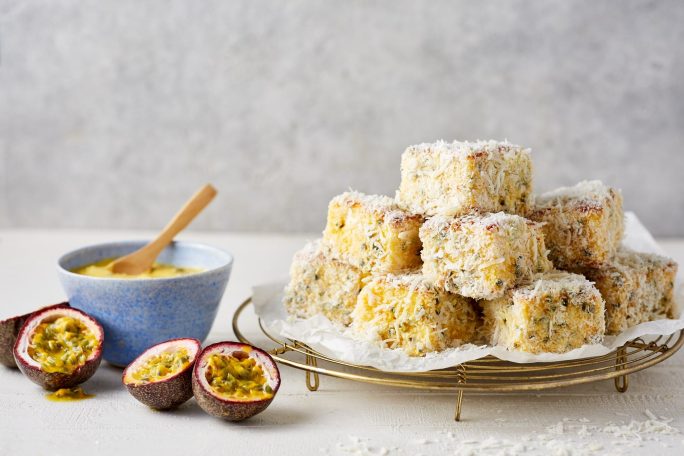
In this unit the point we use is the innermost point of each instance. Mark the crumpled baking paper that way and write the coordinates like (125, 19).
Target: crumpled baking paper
(331, 340)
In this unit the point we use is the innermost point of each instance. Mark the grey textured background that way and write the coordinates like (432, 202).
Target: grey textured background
(113, 112)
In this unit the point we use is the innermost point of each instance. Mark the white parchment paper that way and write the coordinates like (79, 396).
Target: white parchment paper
(331, 340)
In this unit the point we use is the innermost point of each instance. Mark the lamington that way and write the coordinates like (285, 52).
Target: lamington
(322, 285)
(637, 287)
(372, 233)
(482, 256)
(583, 225)
(462, 177)
(556, 312)
(407, 312)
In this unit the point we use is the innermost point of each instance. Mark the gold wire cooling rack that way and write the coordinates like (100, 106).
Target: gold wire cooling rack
(487, 374)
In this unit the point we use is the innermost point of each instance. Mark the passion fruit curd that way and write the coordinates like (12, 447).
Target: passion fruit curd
(237, 377)
(68, 395)
(162, 366)
(157, 271)
(62, 345)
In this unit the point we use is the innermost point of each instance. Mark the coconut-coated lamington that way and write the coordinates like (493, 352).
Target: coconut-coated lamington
(583, 224)
(321, 285)
(637, 287)
(462, 177)
(482, 256)
(372, 233)
(556, 312)
(409, 313)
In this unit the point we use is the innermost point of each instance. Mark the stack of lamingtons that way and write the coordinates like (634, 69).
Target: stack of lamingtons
(460, 256)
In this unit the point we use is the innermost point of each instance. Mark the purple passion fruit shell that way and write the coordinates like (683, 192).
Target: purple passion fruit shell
(235, 407)
(161, 377)
(52, 379)
(9, 330)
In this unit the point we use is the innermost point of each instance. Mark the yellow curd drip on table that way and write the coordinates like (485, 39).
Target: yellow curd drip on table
(68, 395)
(158, 271)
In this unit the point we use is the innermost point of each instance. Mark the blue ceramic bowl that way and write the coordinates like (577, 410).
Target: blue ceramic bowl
(138, 313)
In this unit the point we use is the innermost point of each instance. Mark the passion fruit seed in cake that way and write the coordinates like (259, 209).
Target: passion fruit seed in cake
(407, 312)
(59, 347)
(481, 256)
(234, 381)
(583, 225)
(62, 345)
(556, 312)
(161, 377)
(637, 287)
(462, 177)
(157, 271)
(323, 285)
(372, 233)
(237, 376)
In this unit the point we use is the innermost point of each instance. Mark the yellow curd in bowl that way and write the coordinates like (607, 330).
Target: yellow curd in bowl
(158, 270)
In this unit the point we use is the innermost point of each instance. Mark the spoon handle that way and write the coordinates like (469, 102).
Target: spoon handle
(185, 215)
(142, 260)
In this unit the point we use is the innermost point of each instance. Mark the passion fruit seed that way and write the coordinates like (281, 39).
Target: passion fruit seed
(237, 376)
(59, 347)
(161, 377)
(62, 345)
(162, 366)
(9, 331)
(234, 381)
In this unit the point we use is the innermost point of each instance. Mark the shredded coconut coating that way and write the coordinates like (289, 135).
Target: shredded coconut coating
(556, 312)
(482, 256)
(637, 287)
(407, 312)
(372, 233)
(462, 177)
(321, 285)
(583, 224)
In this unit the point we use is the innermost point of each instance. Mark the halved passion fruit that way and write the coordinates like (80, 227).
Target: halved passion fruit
(9, 330)
(161, 377)
(234, 381)
(59, 347)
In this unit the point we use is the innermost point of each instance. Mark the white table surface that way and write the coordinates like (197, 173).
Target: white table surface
(341, 418)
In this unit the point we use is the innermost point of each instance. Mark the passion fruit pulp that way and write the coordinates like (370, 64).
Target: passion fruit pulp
(59, 347)
(9, 330)
(161, 377)
(234, 381)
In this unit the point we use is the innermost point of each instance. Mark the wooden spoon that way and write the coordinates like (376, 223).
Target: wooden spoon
(142, 259)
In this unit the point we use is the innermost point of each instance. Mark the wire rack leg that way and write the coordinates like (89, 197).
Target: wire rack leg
(312, 385)
(621, 382)
(461, 378)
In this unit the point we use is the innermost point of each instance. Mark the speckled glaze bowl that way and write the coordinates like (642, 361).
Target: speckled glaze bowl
(138, 313)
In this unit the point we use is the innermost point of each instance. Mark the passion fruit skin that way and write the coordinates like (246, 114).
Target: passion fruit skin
(52, 381)
(168, 393)
(227, 409)
(9, 331)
